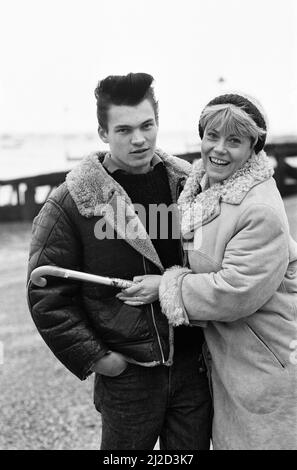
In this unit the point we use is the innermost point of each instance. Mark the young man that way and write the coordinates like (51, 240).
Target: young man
(150, 382)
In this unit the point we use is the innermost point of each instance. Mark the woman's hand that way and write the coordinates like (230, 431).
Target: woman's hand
(145, 291)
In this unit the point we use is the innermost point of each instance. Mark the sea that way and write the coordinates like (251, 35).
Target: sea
(23, 155)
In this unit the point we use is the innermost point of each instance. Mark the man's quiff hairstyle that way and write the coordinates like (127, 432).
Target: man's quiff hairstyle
(231, 120)
(129, 90)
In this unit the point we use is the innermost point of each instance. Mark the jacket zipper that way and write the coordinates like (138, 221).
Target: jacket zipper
(154, 321)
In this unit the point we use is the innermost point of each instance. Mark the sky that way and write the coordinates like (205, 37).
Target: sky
(53, 52)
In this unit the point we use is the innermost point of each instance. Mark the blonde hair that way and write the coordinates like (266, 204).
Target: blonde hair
(230, 119)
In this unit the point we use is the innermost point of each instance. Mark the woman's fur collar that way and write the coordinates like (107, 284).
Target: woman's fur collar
(91, 186)
(198, 208)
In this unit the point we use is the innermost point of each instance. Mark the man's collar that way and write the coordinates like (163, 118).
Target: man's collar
(111, 166)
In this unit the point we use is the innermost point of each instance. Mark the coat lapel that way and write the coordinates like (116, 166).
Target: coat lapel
(199, 208)
(121, 216)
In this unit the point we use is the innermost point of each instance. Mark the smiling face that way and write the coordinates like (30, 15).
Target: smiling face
(223, 154)
(131, 135)
(229, 136)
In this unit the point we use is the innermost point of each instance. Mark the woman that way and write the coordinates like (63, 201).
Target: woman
(241, 284)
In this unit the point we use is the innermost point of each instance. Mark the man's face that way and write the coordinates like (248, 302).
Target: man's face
(131, 135)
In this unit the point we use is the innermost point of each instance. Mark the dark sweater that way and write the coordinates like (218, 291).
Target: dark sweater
(153, 188)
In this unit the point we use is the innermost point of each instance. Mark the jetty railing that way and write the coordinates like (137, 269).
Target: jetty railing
(25, 205)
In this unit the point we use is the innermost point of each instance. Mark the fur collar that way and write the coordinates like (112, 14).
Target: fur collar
(96, 193)
(90, 185)
(198, 208)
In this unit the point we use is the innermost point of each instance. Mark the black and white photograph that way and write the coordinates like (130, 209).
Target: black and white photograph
(148, 227)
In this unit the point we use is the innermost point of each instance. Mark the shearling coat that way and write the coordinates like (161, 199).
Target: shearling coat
(80, 322)
(242, 287)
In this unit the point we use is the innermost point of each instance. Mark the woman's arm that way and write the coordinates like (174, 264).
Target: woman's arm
(254, 265)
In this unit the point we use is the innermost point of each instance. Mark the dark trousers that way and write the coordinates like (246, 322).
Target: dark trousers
(142, 404)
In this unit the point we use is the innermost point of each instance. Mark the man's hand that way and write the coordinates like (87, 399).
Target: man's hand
(145, 291)
(112, 364)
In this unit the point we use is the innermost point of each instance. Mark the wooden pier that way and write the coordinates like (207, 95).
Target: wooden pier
(23, 203)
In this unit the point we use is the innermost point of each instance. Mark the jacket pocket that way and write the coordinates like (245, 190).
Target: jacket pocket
(268, 349)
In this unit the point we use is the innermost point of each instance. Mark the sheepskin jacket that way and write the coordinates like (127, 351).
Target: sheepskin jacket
(80, 322)
(241, 285)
